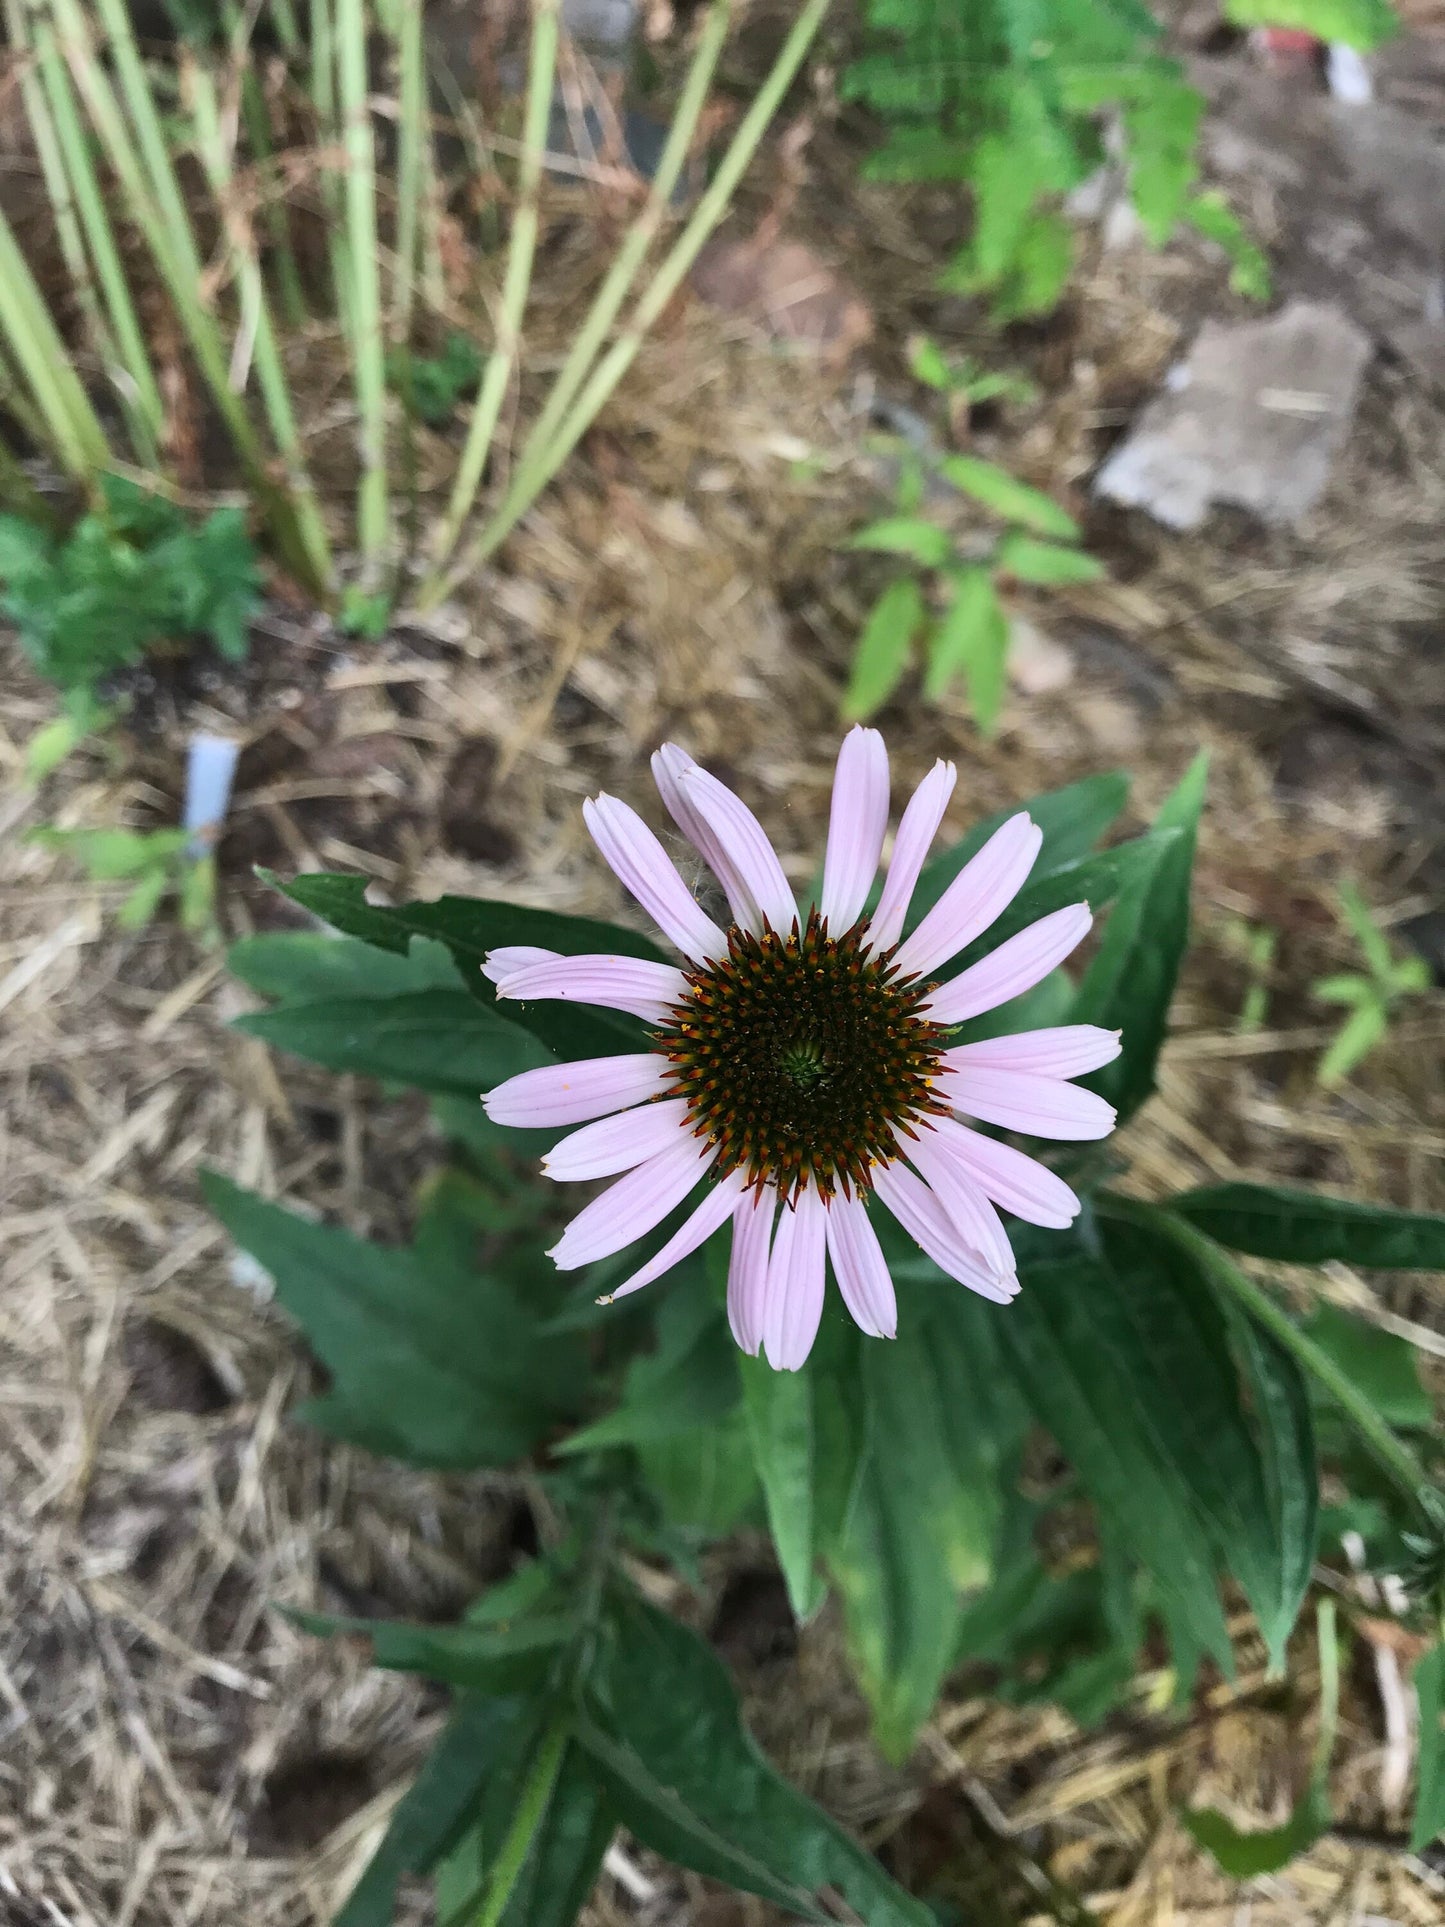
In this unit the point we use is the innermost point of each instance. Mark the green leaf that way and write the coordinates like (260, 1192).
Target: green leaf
(779, 1409)
(883, 649)
(922, 541)
(144, 900)
(703, 1479)
(1382, 1365)
(1045, 562)
(1129, 986)
(921, 1527)
(566, 1850)
(1007, 497)
(690, 1380)
(1072, 820)
(493, 1659)
(928, 363)
(661, 1727)
(399, 1330)
(1355, 1039)
(470, 927)
(436, 1809)
(1344, 988)
(1107, 1391)
(1284, 1429)
(1429, 1820)
(1306, 1228)
(972, 638)
(107, 856)
(301, 966)
(1359, 23)
(437, 1040)
(1245, 1856)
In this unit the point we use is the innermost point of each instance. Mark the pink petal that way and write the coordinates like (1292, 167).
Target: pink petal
(856, 825)
(640, 862)
(934, 1232)
(616, 1144)
(1016, 966)
(719, 1204)
(861, 1269)
(631, 1207)
(748, 849)
(1040, 1106)
(1014, 1181)
(910, 851)
(1064, 1050)
(572, 1093)
(648, 990)
(980, 893)
(748, 1267)
(668, 768)
(796, 1273)
(962, 1197)
(508, 957)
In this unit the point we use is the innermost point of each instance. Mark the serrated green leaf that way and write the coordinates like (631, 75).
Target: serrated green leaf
(1046, 563)
(922, 541)
(1072, 820)
(400, 1330)
(662, 1730)
(470, 927)
(441, 1041)
(883, 649)
(1429, 1821)
(301, 966)
(1008, 497)
(1307, 1228)
(1129, 986)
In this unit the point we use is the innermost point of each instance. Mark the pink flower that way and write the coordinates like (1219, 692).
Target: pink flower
(800, 1071)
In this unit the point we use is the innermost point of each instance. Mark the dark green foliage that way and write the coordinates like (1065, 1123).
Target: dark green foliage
(1007, 96)
(432, 385)
(125, 581)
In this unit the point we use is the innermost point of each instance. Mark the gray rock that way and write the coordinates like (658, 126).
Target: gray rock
(1254, 415)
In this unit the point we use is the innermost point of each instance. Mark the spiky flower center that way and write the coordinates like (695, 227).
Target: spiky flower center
(798, 1055)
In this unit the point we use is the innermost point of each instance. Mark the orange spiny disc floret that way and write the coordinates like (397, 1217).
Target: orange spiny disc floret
(800, 1055)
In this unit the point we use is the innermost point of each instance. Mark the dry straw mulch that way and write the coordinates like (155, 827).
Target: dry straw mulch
(171, 1750)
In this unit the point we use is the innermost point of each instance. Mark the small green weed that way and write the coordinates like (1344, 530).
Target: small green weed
(156, 863)
(430, 386)
(127, 579)
(1371, 998)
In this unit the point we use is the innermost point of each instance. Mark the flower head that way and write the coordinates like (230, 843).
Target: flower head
(800, 1068)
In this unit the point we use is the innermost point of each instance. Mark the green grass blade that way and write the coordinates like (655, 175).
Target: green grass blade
(367, 345)
(542, 66)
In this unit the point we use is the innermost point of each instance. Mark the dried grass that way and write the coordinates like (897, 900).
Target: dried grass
(170, 1749)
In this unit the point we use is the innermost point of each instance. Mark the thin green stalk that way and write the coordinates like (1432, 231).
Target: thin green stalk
(525, 487)
(71, 425)
(57, 181)
(367, 344)
(323, 99)
(1390, 1454)
(173, 249)
(531, 1811)
(199, 87)
(132, 350)
(410, 168)
(287, 31)
(278, 227)
(631, 255)
(541, 68)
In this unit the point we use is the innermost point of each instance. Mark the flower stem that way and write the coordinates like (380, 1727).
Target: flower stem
(1393, 1457)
